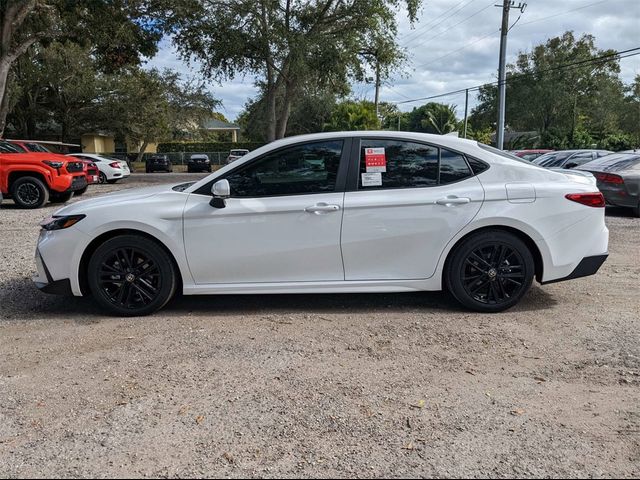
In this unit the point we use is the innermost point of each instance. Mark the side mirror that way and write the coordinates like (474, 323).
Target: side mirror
(220, 190)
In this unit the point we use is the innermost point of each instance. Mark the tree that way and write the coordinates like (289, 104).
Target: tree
(150, 106)
(287, 43)
(351, 115)
(432, 117)
(116, 30)
(560, 91)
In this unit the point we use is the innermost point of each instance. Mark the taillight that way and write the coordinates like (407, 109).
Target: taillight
(588, 199)
(114, 165)
(609, 178)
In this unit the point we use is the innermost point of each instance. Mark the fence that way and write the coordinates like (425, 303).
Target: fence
(177, 158)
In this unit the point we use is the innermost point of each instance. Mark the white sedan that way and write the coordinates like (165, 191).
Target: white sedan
(333, 212)
(111, 169)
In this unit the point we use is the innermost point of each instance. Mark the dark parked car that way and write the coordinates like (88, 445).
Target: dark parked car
(158, 163)
(569, 158)
(530, 154)
(199, 162)
(618, 178)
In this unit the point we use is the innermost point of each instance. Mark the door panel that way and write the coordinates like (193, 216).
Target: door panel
(269, 239)
(397, 229)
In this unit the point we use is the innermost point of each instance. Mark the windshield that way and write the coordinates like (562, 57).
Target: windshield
(238, 153)
(35, 147)
(6, 147)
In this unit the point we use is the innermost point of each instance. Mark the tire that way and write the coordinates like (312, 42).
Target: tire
(126, 289)
(478, 278)
(636, 210)
(102, 178)
(60, 197)
(29, 192)
(82, 191)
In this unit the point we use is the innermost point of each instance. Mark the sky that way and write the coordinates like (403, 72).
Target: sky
(455, 44)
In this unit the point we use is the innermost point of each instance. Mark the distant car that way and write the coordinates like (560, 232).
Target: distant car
(618, 178)
(156, 163)
(198, 162)
(236, 154)
(569, 158)
(110, 169)
(531, 154)
(34, 178)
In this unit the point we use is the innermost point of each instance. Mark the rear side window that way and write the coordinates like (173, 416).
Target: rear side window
(402, 164)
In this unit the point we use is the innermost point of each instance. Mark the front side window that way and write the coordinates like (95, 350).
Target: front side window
(35, 147)
(403, 164)
(300, 169)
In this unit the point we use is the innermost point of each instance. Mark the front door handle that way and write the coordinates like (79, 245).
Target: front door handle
(452, 200)
(322, 208)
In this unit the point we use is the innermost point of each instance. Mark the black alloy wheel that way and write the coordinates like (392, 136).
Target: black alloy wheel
(29, 192)
(102, 178)
(132, 275)
(490, 271)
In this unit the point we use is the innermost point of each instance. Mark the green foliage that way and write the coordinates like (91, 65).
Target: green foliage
(206, 146)
(574, 107)
(617, 142)
(434, 118)
(351, 115)
(289, 46)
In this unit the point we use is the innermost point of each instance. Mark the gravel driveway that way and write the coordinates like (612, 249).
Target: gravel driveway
(390, 385)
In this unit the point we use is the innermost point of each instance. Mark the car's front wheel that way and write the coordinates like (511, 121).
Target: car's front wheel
(29, 192)
(131, 275)
(490, 271)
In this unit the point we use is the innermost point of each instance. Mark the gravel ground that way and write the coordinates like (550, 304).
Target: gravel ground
(394, 385)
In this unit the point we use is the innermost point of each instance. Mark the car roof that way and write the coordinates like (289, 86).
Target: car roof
(609, 161)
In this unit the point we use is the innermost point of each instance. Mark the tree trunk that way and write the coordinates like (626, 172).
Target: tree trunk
(5, 66)
(143, 147)
(285, 111)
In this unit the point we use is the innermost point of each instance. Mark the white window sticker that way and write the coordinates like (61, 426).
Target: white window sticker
(372, 179)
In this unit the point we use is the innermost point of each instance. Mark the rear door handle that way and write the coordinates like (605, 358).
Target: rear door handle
(452, 200)
(322, 208)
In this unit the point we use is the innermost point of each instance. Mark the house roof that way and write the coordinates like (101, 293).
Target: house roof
(215, 124)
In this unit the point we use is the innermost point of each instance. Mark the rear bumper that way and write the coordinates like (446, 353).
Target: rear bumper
(588, 266)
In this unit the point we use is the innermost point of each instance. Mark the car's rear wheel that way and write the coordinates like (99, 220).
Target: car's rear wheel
(636, 210)
(29, 192)
(61, 197)
(131, 275)
(102, 178)
(490, 271)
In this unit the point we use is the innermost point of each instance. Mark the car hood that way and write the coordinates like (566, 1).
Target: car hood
(121, 198)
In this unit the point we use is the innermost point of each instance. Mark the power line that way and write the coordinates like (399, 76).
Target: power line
(433, 22)
(514, 77)
(458, 49)
(563, 13)
(452, 26)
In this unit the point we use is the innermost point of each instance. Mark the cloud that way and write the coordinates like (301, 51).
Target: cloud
(454, 45)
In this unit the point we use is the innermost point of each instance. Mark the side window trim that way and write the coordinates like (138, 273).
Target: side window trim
(341, 177)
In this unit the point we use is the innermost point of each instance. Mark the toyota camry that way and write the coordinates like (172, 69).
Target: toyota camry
(333, 212)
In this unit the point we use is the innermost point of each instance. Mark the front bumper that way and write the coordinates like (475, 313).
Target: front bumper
(45, 282)
(78, 183)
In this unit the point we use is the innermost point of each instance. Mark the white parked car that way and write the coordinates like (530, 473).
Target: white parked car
(111, 169)
(236, 154)
(334, 212)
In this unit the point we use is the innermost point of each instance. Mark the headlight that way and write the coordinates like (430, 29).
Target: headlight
(53, 164)
(61, 222)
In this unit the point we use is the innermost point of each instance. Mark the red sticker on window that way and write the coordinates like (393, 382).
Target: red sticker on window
(375, 160)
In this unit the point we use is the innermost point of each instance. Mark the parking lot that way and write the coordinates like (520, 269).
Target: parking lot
(394, 385)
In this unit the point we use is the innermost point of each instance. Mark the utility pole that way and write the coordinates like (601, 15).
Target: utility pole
(502, 71)
(377, 97)
(466, 108)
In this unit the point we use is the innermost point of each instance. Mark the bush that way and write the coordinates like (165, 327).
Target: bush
(206, 146)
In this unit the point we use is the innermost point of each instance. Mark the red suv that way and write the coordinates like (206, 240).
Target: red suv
(32, 179)
(93, 174)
